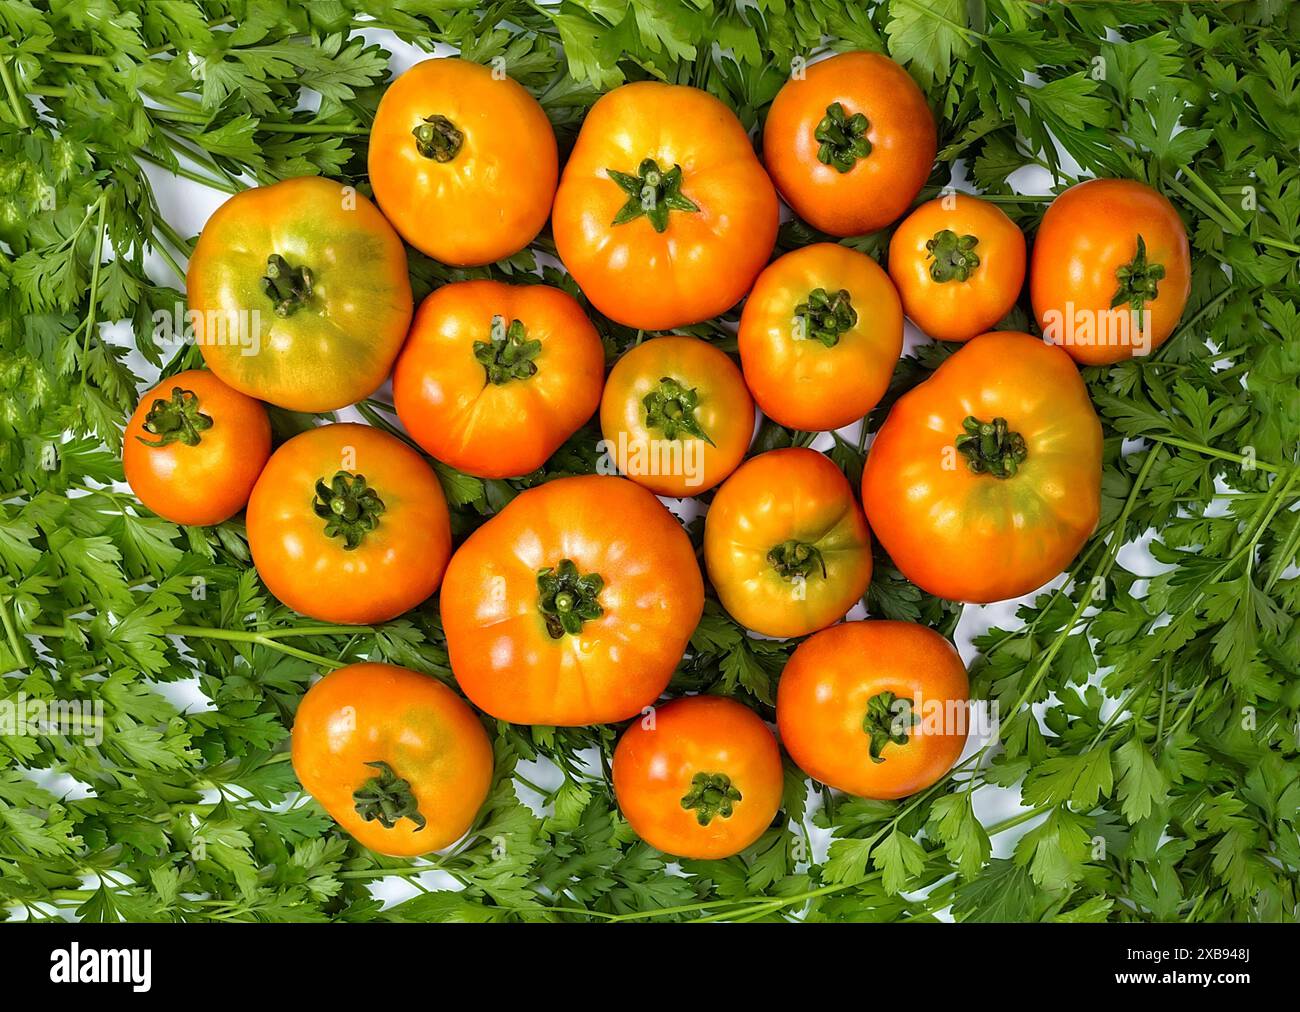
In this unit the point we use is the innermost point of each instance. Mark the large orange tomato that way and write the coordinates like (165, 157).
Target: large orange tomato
(299, 294)
(878, 709)
(573, 604)
(676, 415)
(985, 479)
(1111, 271)
(348, 524)
(194, 448)
(786, 545)
(700, 778)
(463, 161)
(395, 757)
(664, 216)
(494, 377)
(819, 337)
(959, 264)
(850, 143)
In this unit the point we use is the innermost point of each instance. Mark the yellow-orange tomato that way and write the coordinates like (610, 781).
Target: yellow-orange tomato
(959, 264)
(700, 778)
(819, 337)
(462, 161)
(985, 480)
(786, 545)
(676, 415)
(494, 377)
(395, 757)
(573, 604)
(1108, 253)
(850, 143)
(876, 708)
(299, 294)
(194, 448)
(664, 216)
(348, 524)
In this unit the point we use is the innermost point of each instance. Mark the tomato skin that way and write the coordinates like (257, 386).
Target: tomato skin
(704, 261)
(972, 536)
(395, 566)
(789, 495)
(338, 345)
(209, 482)
(956, 309)
(880, 186)
(491, 199)
(1088, 233)
(797, 380)
(654, 770)
(724, 410)
(618, 662)
(426, 734)
(822, 704)
(497, 430)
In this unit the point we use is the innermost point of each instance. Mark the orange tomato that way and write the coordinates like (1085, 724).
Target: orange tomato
(462, 161)
(985, 480)
(194, 447)
(786, 545)
(573, 604)
(348, 524)
(850, 143)
(1108, 252)
(676, 415)
(819, 337)
(300, 294)
(877, 709)
(664, 216)
(700, 779)
(494, 377)
(396, 758)
(959, 264)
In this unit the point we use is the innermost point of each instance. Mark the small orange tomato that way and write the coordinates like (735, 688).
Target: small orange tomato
(676, 415)
(664, 215)
(700, 779)
(877, 709)
(572, 605)
(494, 377)
(348, 524)
(959, 264)
(396, 758)
(819, 337)
(463, 162)
(851, 143)
(786, 545)
(194, 447)
(1111, 271)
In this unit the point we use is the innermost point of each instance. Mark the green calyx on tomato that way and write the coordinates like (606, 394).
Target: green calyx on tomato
(176, 421)
(349, 507)
(288, 287)
(841, 138)
(652, 192)
(825, 317)
(796, 560)
(567, 598)
(954, 256)
(888, 720)
(508, 355)
(991, 447)
(388, 798)
(438, 138)
(670, 408)
(711, 795)
(1138, 280)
